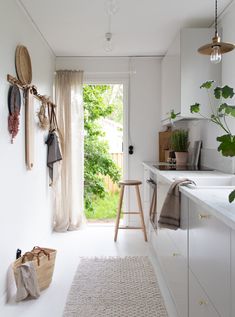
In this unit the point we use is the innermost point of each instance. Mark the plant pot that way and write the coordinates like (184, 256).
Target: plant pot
(181, 158)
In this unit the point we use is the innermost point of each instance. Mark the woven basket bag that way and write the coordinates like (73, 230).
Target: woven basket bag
(43, 260)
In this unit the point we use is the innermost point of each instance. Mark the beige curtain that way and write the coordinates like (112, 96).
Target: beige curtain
(69, 173)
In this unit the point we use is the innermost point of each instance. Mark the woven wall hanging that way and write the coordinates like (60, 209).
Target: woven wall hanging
(14, 106)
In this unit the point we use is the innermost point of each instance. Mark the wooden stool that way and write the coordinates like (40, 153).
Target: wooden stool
(140, 212)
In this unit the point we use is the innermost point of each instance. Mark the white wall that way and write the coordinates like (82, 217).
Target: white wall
(144, 100)
(25, 213)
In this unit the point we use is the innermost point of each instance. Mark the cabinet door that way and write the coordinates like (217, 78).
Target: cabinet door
(195, 70)
(233, 271)
(180, 236)
(199, 303)
(174, 268)
(209, 256)
(146, 197)
(171, 91)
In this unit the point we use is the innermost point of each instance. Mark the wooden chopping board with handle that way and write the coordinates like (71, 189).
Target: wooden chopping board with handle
(29, 130)
(164, 143)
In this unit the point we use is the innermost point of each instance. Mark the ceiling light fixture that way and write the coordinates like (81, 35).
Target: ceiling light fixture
(108, 45)
(216, 48)
(111, 7)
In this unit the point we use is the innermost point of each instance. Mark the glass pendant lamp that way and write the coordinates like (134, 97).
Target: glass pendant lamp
(216, 48)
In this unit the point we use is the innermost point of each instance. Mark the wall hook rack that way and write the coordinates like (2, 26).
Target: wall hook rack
(14, 81)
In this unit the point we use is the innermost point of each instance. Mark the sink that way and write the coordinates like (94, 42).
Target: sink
(217, 181)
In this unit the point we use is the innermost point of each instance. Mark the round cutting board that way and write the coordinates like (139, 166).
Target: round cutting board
(23, 65)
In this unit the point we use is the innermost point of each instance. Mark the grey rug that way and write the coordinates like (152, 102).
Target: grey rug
(115, 287)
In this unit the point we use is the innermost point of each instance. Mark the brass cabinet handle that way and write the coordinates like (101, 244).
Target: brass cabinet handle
(176, 254)
(201, 216)
(202, 302)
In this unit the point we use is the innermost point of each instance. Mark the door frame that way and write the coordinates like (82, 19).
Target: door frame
(113, 79)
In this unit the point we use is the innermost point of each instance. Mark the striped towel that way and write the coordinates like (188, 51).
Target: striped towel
(170, 213)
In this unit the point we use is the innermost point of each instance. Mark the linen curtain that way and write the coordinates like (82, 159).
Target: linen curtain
(69, 173)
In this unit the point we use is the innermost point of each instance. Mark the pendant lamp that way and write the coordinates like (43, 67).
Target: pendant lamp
(216, 48)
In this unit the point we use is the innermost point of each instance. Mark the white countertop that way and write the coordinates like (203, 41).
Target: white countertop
(170, 176)
(213, 196)
(215, 200)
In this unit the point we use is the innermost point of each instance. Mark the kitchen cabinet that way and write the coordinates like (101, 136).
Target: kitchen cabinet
(183, 72)
(233, 272)
(171, 250)
(209, 256)
(199, 303)
(197, 260)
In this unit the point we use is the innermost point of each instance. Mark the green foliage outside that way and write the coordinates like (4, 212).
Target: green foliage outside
(104, 208)
(98, 163)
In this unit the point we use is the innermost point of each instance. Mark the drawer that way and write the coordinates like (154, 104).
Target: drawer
(176, 275)
(199, 303)
(174, 268)
(209, 256)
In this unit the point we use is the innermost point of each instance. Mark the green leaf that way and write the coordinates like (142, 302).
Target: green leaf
(227, 109)
(227, 144)
(231, 196)
(195, 108)
(173, 114)
(208, 84)
(227, 92)
(217, 92)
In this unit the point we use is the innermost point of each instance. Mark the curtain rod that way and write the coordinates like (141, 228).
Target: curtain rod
(105, 73)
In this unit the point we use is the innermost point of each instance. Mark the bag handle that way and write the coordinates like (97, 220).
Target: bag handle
(27, 255)
(41, 250)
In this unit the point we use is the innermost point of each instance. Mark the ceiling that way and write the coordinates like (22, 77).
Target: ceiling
(139, 27)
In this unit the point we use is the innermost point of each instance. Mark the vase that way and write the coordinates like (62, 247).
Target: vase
(181, 158)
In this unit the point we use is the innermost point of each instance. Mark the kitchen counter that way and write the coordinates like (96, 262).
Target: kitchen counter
(215, 200)
(169, 176)
(211, 192)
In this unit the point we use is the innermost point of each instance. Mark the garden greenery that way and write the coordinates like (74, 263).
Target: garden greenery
(98, 162)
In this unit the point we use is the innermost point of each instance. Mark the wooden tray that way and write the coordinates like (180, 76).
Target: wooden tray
(23, 65)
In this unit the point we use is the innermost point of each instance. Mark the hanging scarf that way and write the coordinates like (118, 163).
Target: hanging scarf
(53, 148)
(14, 105)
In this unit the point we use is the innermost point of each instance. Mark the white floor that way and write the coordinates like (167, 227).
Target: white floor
(92, 240)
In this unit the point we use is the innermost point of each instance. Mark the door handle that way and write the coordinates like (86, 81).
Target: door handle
(201, 216)
(202, 302)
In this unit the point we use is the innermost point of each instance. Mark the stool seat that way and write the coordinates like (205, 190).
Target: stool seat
(130, 182)
(123, 184)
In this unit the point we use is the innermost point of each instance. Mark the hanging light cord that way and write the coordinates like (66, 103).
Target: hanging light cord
(216, 29)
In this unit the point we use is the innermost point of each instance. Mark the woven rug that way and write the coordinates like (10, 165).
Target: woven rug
(115, 287)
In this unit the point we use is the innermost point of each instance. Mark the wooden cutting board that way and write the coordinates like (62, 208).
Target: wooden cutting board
(164, 144)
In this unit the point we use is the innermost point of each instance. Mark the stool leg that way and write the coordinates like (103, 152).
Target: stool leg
(141, 211)
(119, 212)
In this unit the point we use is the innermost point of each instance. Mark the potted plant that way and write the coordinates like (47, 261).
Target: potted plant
(180, 144)
(220, 111)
